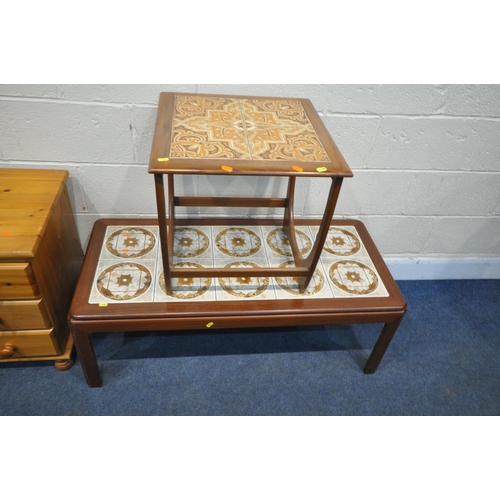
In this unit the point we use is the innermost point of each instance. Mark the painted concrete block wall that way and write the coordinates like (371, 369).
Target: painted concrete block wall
(426, 158)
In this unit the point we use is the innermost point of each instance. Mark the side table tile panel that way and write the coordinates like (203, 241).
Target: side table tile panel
(244, 129)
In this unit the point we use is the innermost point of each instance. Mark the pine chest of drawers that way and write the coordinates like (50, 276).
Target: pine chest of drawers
(40, 259)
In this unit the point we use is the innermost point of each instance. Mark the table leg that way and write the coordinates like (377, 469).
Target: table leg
(86, 354)
(171, 220)
(162, 223)
(312, 259)
(381, 345)
(288, 221)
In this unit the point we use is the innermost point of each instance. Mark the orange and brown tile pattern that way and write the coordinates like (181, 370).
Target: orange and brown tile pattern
(130, 268)
(243, 129)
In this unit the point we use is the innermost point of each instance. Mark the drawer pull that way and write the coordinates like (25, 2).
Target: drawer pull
(7, 351)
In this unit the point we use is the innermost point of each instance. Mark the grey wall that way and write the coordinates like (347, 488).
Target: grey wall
(426, 158)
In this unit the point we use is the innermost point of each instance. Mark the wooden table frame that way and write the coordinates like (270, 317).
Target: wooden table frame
(304, 267)
(86, 319)
(332, 166)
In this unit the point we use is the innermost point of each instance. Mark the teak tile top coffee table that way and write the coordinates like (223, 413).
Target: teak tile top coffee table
(233, 135)
(121, 287)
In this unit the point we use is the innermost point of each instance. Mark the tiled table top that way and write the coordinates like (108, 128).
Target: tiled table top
(247, 129)
(129, 267)
(270, 134)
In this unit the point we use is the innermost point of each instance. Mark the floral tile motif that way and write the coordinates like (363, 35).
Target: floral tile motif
(136, 275)
(192, 242)
(117, 281)
(354, 278)
(245, 129)
(131, 243)
(190, 289)
(289, 286)
(342, 242)
(278, 243)
(238, 242)
(245, 288)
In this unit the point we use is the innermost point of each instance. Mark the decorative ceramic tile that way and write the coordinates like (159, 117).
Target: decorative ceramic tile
(288, 286)
(130, 267)
(238, 242)
(192, 242)
(131, 243)
(245, 288)
(123, 281)
(209, 127)
(354, 278)
(342, 242)
(278, 244)
(190, 289)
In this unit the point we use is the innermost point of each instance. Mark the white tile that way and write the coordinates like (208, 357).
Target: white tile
(243, 288)
(119, 282)
(186, 289)
(130, 243)
(121, 276)
(238, 242)
(287, 287)
(194, 242)
(354, 278)
(342, 241)
(277, 242)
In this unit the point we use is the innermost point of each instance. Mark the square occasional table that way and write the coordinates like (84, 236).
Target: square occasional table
(198, 134)
(121, 287)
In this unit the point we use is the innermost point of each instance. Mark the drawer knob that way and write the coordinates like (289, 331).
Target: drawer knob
(7, 350)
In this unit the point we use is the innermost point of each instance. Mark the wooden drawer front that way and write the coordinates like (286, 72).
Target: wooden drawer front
(17, 281)
(28, 343)
(23, 315)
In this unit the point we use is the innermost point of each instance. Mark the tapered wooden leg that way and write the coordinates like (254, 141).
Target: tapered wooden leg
(162, 223)
(171, 220)
(312, 259)
(289, 222)
(86, 355)
(381, 346)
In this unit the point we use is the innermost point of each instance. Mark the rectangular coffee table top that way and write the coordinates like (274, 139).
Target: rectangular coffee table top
(217, 134)
(122, 272)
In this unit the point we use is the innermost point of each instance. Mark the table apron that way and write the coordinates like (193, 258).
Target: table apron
(235, 322)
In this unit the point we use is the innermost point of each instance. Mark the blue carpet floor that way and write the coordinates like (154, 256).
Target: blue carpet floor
(444, 360)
